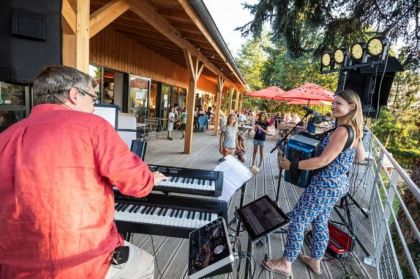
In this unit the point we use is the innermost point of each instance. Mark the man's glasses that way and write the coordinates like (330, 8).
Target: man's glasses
(94, 98)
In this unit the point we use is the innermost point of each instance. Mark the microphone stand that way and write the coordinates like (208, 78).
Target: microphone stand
(279, 143)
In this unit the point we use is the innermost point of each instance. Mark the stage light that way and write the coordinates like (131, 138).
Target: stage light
(357, 51)
(377, 46)
(340, 56)
(326, 60)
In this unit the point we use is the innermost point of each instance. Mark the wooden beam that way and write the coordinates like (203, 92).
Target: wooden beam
(241, 101)
(195, 67)
(197, 21)
(105, 15)
(82, 35)
(149, 14)
(230, 100)
(237, 93)
(220, 84)
(69, 49)
(69, 17)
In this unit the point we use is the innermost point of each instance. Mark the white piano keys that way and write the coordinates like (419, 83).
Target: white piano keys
(144, 215)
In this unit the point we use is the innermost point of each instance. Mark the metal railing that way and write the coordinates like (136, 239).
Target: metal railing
(396, 235)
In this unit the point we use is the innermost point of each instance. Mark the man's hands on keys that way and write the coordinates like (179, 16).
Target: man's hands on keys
(158, 177)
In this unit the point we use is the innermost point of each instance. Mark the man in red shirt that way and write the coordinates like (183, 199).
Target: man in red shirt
(57, 168)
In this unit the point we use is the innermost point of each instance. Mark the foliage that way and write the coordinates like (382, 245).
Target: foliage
(264, 65)
(287, 72)
(398, 125)
(251, 60)
(336, 23)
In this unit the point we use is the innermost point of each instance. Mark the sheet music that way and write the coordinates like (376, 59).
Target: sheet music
(235, 174)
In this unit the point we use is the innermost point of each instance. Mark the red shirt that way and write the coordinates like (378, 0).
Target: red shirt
(56, 199)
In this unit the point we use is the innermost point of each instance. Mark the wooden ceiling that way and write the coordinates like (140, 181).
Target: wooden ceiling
(135, 28)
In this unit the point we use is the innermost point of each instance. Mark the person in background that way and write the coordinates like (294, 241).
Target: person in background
(329, 183)
(209, 114)
(7, 118)
(176, 111)
(201, 111)
(229, 136)
(108, 93)
(251, 118)
(171, 122)
(240, 148)
(295, 118)
(276, 120)
(242, 117)
(57, 172)
(260, 128)
(183, 121)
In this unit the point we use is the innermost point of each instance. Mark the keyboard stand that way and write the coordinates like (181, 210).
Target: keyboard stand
(236, 220)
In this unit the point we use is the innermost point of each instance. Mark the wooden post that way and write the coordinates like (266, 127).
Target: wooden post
(241, 101)
(82, 35)
(220, 83)
(237, 93)
(230, 100)
(69, 33)
(76, 17)
(195, 67)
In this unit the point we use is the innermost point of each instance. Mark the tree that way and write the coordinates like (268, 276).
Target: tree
(287, 72)
(398, 125)
(336, 23)
(251, 60)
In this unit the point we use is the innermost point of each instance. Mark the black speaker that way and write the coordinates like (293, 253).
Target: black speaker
(30, 36)
(372, 83)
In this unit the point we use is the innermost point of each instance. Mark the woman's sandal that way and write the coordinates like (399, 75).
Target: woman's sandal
(287, 274)
(307, 260)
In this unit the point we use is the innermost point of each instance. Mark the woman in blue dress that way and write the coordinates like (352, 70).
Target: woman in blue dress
(327, 186)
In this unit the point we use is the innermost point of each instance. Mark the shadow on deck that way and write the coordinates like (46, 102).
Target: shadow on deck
(172, 253)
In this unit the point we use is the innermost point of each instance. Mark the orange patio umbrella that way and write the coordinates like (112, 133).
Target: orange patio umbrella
(308, 92)
(271, 93)
(307, 102)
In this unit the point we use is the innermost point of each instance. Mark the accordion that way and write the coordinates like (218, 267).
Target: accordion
(300, 147)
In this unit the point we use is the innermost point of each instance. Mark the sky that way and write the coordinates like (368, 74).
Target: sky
(229, 14)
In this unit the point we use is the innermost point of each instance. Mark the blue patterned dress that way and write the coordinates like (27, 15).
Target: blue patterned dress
(327, 186)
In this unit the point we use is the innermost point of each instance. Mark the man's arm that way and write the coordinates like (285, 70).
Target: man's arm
(115, 162)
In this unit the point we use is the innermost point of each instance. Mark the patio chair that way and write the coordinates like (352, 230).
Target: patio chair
(138, 147)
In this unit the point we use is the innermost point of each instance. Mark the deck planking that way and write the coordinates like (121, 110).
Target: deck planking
(172, 253)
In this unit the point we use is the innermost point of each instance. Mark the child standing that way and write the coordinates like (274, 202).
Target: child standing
(228, 137)
(171, 121)
(240, 148)
(259, 138)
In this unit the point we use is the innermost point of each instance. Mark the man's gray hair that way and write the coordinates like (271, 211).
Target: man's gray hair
(52, 84)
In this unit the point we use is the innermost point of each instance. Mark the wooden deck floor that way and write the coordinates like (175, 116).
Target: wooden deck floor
(172, 253)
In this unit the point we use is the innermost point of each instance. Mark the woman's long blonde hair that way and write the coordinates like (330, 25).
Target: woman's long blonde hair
(354, 117)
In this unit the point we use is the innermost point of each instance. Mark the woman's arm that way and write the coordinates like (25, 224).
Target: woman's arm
(360, 152)
(332, 150)
(264, 130)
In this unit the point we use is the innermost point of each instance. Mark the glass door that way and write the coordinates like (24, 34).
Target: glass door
(138, 97)
(14, 104)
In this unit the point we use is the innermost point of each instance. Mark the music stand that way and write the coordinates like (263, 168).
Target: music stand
(279, 144)
(261, 218)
